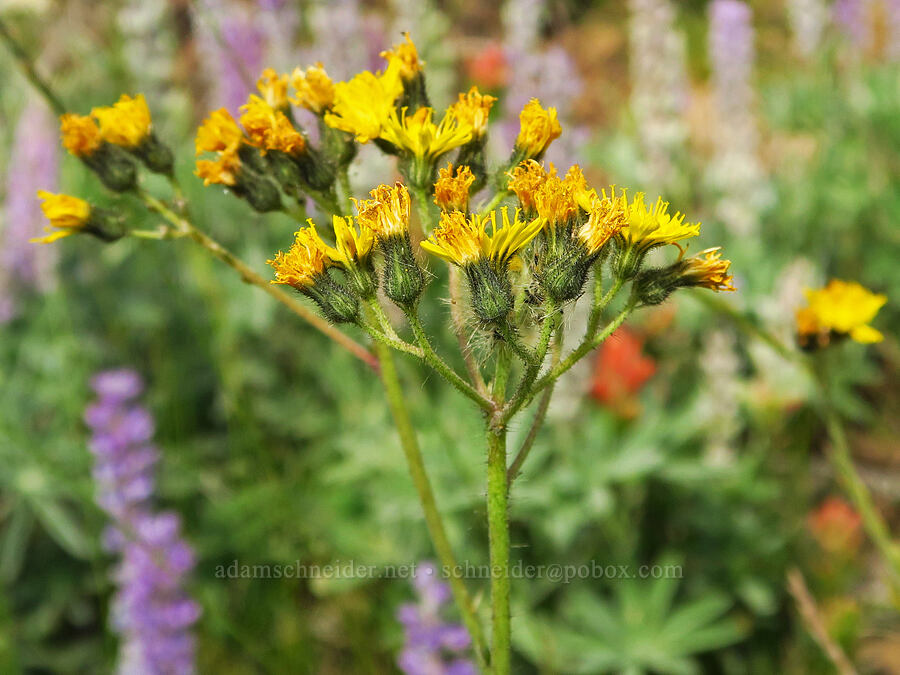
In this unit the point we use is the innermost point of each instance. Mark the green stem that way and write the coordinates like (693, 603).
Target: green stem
(459, 327)
(184, 226)
(581, 350)
(527, 355)
(539, 415)
(344, 180)
(498, 533)
(524, 391)
(27, 66)
(600, 301)
(501, 374)
(433, 520)
(392, 342)
(442, 367)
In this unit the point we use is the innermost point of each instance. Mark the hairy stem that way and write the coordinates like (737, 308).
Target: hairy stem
(524, 391)
(248, 275)
(600, 301)
(498, 197)
(27, 66)
(442, 367)
(459, 327)
(498, 532)
(433, 519)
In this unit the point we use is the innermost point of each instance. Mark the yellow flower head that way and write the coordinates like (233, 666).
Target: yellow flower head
(352, 246)
(363, 105)
(606, 218)
(538, 128)
(555, 198)
(707, 270)
(387, 213)
(269, 128)
(304, 262)
(274, 88)
(80, 134)
(842, 307)
(649, 226)
(421, 137)
(219, 133)
(126, 122)
(66, 213)
(463, 241)
(315, 90)
(525, 180)
(222, 171)
(451, 192)
(473, 109)
(404, 59)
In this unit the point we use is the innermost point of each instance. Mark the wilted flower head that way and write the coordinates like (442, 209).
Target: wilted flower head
(538, 128)
(707, 270)
(80, 134)
(273, 88)
(315, 90)
(269, 128)
(473, 109)
(451, 191)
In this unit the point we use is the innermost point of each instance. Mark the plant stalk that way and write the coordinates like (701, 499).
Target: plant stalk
(498, 532)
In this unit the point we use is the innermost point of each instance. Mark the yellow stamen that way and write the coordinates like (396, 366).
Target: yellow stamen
(451, 193)
(387, 213)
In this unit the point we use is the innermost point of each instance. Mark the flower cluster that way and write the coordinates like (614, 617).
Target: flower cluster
(432, 645)
(841, 309)
(151, 611)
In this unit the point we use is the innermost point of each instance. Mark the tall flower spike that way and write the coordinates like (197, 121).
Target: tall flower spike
(842, 307)
(538, 128)
(473, 109)
(126, 123)
(80, 134)
(363, 105)
(219, 133)
(315, 90)
(451, 192)
(273, 88)
(270, 129)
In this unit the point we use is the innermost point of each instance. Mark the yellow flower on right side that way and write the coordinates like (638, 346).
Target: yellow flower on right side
(843, 307)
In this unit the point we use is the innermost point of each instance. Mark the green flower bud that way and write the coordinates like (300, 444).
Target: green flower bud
(404, 280)
(286, 172)
(260, 192)
(155, 155)
(114, 167)
(337, 303)
(491, 291)
(563, 273)
(654, 285)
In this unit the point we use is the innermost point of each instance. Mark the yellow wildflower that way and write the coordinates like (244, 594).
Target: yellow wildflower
(464, 241)
(525, 180)
(404, 59)
(304, 262)
(274, 88)
(387, 213)
(80, 134)
(707, 270)
(606, 218)
(126, 122)
(363, 105)
(66, 213)
(315, 90)
(451, 192)
(647, 227)
(473, 109)
(223, 170)
(843, 307)
(269, 128)
(538, 128)
(421, 137)
(218, 133)
(352, 246)
(555, 198)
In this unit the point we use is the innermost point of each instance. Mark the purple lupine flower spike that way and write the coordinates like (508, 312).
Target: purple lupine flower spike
(433, 646)
(151, 611)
